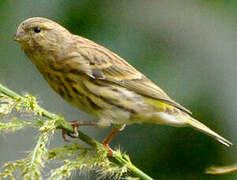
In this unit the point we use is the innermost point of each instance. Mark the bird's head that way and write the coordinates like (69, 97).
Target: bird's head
(41, 36)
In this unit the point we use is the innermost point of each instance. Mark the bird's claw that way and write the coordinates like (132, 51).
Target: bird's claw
(75, 133)
(110, 151)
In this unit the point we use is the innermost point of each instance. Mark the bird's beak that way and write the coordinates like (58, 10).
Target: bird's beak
(18, 36)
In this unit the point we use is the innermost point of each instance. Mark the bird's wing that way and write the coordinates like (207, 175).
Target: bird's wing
(105, 65)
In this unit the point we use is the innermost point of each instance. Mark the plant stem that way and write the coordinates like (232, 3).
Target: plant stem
(8, 92)
(67, 127)
(133, 168)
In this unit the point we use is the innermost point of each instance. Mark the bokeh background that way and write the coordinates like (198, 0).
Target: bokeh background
(188, 47)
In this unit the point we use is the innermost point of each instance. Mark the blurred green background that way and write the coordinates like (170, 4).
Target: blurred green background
(187, 47)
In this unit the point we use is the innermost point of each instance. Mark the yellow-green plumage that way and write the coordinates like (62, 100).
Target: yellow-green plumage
(98, 81)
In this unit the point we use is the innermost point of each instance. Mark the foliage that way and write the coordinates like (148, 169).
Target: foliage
(92, 156)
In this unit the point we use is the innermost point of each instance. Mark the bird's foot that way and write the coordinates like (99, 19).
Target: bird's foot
(109, 138)
(109, 150)
(75, 126)
(75, 133)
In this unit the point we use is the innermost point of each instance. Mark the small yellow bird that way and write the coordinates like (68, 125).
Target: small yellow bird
(98, 81)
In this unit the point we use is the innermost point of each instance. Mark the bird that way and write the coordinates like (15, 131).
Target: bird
(100, 82)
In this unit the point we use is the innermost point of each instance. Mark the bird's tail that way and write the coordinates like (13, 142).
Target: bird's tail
(201, 127)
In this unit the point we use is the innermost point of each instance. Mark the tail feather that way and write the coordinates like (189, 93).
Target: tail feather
(201, 127)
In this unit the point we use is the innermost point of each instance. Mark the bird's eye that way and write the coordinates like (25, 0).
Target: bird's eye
(37, 29)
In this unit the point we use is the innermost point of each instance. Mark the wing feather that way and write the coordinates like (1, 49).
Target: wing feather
(105, 65)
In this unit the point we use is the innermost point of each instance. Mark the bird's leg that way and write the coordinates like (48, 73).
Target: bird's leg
(75, 126)
(110, 137)
(106, 142)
